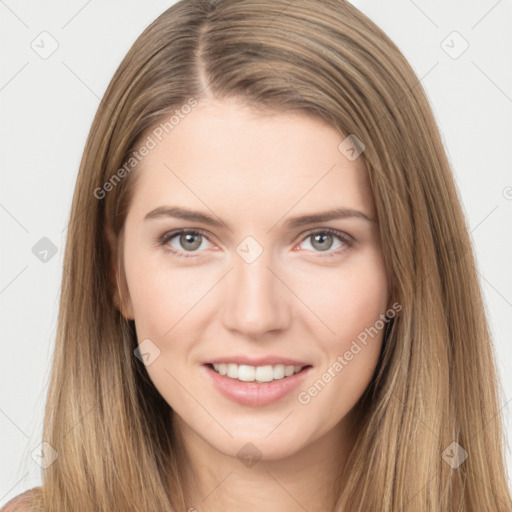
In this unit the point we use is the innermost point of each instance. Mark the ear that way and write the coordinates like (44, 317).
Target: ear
(120, 294)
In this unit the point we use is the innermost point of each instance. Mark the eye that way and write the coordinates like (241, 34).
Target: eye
(322, 241)
(187, 240)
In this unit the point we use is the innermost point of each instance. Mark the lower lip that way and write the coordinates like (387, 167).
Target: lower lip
(255, 393)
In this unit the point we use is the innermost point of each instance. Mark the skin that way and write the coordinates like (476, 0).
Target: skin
(293, 300)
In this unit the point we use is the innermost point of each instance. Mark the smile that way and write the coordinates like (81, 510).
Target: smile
(280, 381)
(248, 373)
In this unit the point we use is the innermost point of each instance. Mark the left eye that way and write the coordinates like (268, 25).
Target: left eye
(322, 241)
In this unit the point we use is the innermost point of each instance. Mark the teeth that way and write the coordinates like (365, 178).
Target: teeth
(248, 373)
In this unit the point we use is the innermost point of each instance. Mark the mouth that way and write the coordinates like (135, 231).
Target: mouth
(255, 386)
(258, 374)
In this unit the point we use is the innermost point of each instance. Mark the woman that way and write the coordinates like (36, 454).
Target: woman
(249, 370)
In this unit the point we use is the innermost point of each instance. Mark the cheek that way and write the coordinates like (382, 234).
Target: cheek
(151, 300)
(351, 355)
(164, 303)
(348, 300)
(361, 305)
(160, 295)
(354, 309)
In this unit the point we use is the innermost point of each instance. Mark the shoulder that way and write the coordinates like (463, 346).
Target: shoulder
(21, 503)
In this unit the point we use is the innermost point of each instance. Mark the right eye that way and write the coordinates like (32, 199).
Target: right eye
(188, 240)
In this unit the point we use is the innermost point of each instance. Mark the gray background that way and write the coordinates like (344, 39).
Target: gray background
(47, 106)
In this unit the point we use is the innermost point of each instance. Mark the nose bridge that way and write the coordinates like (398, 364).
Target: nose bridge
(256, 301)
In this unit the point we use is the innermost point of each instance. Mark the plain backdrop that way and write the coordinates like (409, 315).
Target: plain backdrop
(461, 51)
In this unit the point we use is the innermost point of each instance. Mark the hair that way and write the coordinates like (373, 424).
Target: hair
(435, 383)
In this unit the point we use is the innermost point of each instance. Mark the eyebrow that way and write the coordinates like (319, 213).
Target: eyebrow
(295, 222)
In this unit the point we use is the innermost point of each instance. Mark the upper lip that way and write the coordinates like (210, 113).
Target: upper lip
(257, 361)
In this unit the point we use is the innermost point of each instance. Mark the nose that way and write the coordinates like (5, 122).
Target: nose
(257, 301)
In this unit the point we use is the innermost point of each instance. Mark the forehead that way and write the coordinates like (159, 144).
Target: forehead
(226, 155)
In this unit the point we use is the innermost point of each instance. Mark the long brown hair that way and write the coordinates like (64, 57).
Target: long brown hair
(434, 397)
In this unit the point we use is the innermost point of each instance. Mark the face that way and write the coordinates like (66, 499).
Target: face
(220, 270)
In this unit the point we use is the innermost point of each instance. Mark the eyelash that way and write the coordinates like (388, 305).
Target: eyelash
(166, 237)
